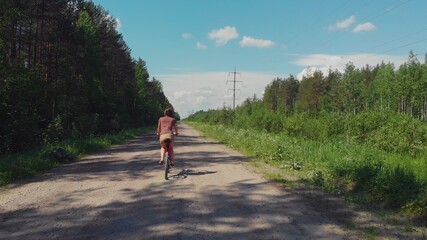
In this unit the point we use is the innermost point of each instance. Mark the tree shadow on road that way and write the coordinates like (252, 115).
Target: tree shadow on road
(166, 210)
(184, 173)
(239, 210)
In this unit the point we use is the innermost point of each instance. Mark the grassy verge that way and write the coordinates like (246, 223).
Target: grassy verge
(363, 174)
(19, 166)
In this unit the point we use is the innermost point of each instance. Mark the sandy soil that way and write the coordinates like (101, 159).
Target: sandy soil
(121, 193)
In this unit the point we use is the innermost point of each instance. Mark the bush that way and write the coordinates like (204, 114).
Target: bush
(302, 125)
(335, 124)
(401, 134)
(389, 131)
(363, 124)
(417, 207)
(55, 131)
(365, 175)
(295, 124)
(395, 187)
(392, 187)
(271, 122)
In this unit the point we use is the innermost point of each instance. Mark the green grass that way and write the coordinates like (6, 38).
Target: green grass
(363, 173)
(371, 233)
(19, 166)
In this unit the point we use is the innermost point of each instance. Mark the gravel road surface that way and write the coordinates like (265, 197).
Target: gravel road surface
(120, 193)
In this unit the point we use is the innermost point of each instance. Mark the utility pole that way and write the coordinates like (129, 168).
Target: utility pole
(234, 86)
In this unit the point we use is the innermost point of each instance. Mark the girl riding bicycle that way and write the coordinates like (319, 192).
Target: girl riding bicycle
(166, 129)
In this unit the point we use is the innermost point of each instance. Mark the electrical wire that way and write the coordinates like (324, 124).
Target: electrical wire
(393, 49)
(322, 43)
(322, 30)
(309, 27)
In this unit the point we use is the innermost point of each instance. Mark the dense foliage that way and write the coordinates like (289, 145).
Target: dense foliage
(363, 132)
(66, 72)
(377, 88)
(377, 105)
(363, 173)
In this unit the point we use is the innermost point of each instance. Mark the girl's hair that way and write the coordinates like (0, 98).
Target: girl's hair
(169, 112)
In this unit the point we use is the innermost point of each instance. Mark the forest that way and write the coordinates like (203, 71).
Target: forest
(378, 104)
(360, 132)
(66, 72)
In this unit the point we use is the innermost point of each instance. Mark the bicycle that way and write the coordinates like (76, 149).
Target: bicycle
(166, 157)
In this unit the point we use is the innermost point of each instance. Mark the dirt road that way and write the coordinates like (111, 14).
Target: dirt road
(120, 193)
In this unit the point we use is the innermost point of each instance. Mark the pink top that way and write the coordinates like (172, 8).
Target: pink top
(166, 124)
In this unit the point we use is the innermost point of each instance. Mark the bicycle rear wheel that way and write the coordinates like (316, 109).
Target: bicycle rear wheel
(167, 165)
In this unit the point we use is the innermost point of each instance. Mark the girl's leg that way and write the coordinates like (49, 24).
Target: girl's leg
(162, 153)
(171, 150)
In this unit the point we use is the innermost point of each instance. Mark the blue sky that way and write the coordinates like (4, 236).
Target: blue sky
(192, 45)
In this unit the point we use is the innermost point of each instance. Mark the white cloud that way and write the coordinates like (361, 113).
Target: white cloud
(259, 43)
(343, 24)
(190, 92)
(200, 99)
(324, 62)
(201, 46)
(186, 35)
(319, 60)
(364, 27)
(180, 94)
(118, 24)
(223, 35)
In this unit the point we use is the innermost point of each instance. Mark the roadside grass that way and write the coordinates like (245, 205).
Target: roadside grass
(371, 233)
(363, 174)
(19, 166)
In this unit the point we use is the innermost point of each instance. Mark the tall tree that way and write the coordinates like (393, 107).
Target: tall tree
(353, 89)
(288, 92)
(271, 95)
(310, 91)
(330, 99)
(65, 71)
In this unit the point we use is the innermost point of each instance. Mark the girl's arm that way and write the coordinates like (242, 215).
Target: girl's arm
(176, 128)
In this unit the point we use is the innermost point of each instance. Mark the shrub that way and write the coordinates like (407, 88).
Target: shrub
(335, 123)
(55, 131)
(365, 175)
(396, 187)
(393, 187)
(417, 207)
(362, 124)
(302, 125)
(272, 123)
(401, 134)
(294, 125)
(389, 131)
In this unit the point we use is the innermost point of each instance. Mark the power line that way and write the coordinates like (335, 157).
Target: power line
(295, 36)
(311, 26)
(395, 40)
(319, 21)
(234, 86)
(390, 50)
(338, 35)
(321, 43)
(321, 30)
(388, 10)
(386, 51)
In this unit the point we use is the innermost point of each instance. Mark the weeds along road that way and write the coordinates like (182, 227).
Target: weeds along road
(121, 193)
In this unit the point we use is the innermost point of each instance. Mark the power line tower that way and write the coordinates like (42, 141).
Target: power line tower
(234, 86)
